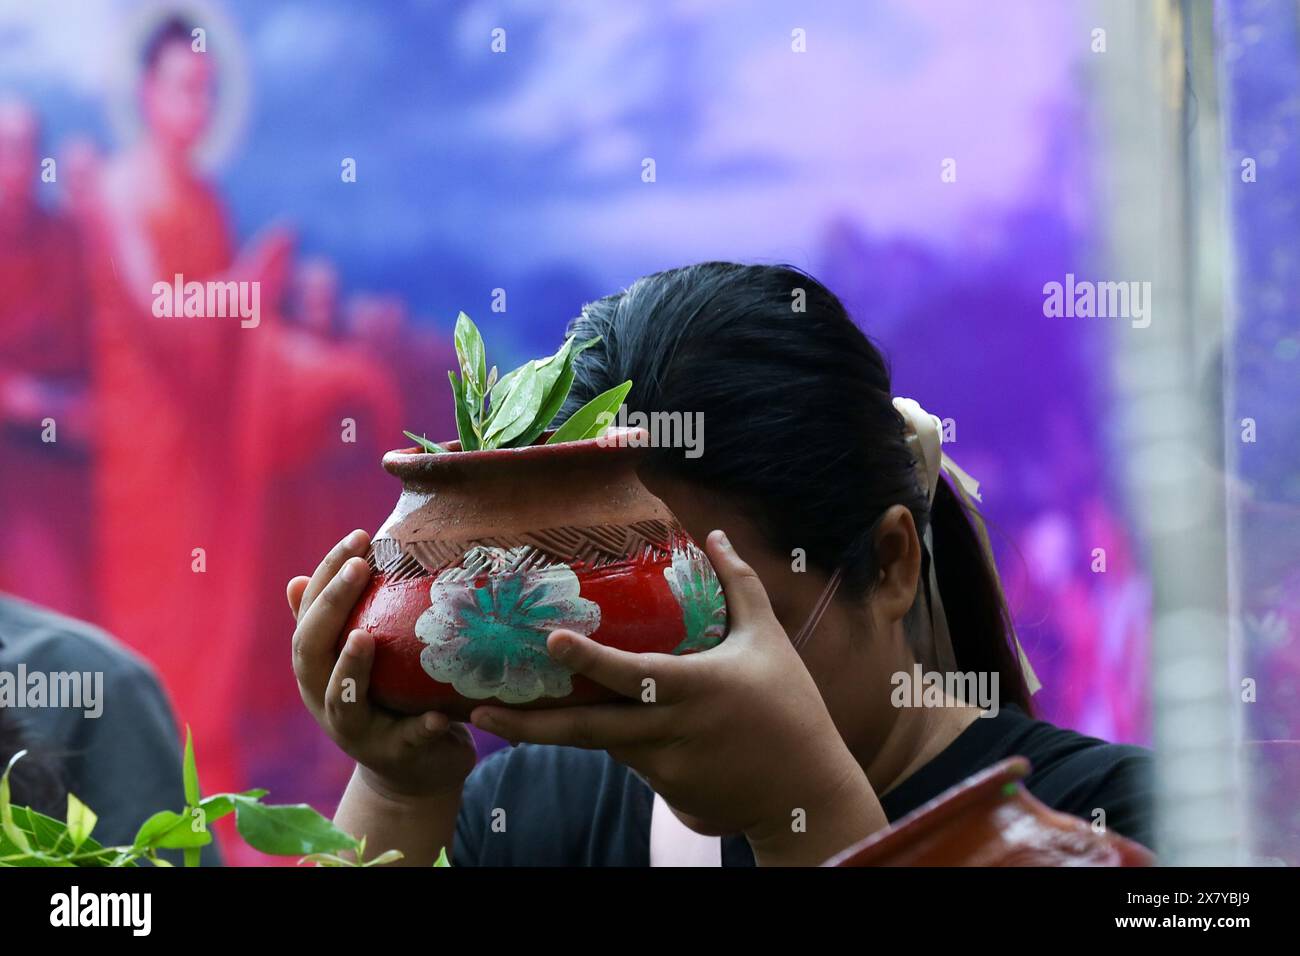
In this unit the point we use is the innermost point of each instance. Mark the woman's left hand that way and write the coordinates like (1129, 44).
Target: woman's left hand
(736, 739)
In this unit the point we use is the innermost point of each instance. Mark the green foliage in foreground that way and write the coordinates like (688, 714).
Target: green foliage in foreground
(29, 838)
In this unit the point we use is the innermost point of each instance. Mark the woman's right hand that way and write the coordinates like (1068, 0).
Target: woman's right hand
(399, 757)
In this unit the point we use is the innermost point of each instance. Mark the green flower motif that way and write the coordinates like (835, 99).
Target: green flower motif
(489, 639)
(704, 609)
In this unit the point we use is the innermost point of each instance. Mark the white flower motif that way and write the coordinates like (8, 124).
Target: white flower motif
(488, 639)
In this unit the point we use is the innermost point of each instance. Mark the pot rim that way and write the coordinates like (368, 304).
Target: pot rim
(987, 786)
(406, 463)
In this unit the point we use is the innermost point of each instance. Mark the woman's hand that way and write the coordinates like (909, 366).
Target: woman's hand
(399, 757)
(735, 739)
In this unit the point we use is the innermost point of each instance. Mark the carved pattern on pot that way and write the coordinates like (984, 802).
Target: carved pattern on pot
(592, 547)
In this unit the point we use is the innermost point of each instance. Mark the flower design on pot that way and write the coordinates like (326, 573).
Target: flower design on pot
(704, 609)
(487, 624)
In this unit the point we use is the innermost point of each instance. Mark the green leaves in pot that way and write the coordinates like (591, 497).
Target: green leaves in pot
(591, 420)
(513, 411)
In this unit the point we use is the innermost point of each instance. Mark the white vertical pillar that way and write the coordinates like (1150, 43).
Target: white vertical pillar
(1162, 215)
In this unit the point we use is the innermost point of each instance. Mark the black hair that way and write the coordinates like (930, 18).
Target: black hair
(172, 29)
(801, 429)
(36, 780)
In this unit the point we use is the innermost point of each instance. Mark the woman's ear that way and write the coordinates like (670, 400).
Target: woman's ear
(898, 554)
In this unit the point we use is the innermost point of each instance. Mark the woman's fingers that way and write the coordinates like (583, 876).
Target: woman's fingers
(346, 704)
(747, 601)
(336, 601)
(632, 675)
(353, 545)
(422, 728)
(294, 592)
(319, 627)
(351, 717)
(590, 726)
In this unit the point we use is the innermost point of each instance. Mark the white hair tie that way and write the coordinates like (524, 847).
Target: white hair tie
(925, 439)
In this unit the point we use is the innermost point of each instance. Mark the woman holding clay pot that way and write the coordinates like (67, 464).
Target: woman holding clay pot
(852, 559)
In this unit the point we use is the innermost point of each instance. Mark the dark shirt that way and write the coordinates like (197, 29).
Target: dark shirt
(124, 763)
(569, 807)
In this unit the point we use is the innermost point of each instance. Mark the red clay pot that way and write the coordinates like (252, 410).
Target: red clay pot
(990, 819)
(487, 552)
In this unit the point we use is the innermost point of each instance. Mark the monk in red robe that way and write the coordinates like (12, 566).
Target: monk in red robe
(198, 412)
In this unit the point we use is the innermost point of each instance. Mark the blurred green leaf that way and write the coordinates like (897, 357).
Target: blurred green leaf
(16, 836)
(167, 830)
(288, 830)
(223, 804)
(191, 771)
(326, 859)
(81, 821)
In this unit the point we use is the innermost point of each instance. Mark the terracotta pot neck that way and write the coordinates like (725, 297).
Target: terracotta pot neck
(619, 450)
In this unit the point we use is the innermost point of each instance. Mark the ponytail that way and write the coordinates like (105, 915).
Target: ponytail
(978, 620)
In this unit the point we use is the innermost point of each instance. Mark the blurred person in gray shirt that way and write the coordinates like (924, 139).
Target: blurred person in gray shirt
(94, 720)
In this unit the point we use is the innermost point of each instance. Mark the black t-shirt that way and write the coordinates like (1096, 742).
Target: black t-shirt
(560, 806)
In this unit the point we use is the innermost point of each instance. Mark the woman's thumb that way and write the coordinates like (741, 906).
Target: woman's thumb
(747, 601)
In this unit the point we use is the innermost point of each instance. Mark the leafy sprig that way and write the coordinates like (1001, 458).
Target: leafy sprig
(30, 838)
(514, 410)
